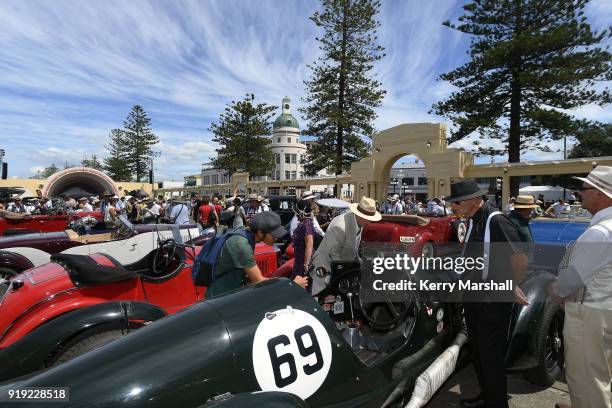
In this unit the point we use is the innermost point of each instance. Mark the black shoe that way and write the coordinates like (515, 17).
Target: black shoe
(476, 402)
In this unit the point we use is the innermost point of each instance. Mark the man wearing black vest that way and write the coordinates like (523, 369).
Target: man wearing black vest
(493, 236)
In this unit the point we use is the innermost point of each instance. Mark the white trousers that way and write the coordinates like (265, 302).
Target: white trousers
(587, 334)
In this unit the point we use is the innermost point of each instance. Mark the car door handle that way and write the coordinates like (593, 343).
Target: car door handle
(133, 247)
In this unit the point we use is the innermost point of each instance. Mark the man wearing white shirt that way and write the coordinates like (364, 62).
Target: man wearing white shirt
(585, 284)
(179, 214)
(151, 212)
(558, 208)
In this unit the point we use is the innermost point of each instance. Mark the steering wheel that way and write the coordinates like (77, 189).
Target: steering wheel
(383, 314)
(164, 255)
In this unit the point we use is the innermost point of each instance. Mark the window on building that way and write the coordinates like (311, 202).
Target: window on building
(278, 174)
(293, 175)
(287, 175)
(278, 140)
(287, 158)
(214, 179)
(301, 174)
(277, 158)
(288, 140)
(409, 181)
(422, 181)
(206, 180)
(293, 158)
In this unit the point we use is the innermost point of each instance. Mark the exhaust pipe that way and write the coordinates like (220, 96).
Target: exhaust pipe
(436, 374)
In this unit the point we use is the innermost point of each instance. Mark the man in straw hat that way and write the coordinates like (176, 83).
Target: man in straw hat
(523, 208)
(342, 239)
(487, 315)
(585, 283)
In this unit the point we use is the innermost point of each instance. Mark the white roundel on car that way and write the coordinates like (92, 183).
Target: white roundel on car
(292, 352)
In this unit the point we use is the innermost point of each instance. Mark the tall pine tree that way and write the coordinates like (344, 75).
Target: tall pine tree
(116, 163)
(529, 60)
(242, 134)
(139, 139)
(341, 92)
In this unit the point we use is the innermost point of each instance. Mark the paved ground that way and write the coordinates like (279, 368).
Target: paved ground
(523, 394)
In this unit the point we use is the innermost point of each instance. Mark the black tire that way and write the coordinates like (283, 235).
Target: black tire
(8, 273)
(549, 343)
(90, 340)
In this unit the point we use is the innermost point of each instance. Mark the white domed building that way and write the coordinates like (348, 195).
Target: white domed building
(285, 144)
(289, 157)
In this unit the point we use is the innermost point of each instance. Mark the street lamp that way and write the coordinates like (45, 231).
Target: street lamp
(394, 183)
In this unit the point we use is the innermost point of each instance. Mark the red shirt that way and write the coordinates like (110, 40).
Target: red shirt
(218, 209)
(204, 212)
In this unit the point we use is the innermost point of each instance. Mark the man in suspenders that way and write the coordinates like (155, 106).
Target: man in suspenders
(585, 285)
(492, 236)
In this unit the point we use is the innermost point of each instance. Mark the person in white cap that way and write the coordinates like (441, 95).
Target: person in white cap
(308, 197)
(585, 285)
(342, 240)
(84, 204)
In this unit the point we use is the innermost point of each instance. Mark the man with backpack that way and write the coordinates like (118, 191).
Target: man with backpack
(230, 257)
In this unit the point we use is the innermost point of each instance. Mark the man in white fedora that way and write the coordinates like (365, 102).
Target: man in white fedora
(585, 285)
(342, 239)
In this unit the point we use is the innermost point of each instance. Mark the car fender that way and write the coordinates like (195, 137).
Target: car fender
(420, 240)
(21, 259)
(33, 351)
(43, 313)
(521, 353)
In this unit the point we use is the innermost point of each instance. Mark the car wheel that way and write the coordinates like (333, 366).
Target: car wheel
(459, 231)
(428, 250)
(90, 340)
(8, 273)
(550, 348)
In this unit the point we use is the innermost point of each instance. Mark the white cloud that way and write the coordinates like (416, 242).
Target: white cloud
(71, 70)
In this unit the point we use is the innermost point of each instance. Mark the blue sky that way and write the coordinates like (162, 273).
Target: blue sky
(71, 70)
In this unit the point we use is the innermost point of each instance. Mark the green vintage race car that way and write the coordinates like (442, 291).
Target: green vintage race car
(336, 349)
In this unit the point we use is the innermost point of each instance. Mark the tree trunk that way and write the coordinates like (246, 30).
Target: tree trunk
(514, 138)
(341, 91)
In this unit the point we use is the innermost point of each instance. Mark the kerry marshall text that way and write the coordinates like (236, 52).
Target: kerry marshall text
(427, 285)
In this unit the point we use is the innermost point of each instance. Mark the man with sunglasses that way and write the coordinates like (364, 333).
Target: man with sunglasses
(494, 237)
(585, 285)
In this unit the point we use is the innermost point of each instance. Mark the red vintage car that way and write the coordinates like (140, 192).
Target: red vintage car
(76, 303)
(425, 236)
(13, 224)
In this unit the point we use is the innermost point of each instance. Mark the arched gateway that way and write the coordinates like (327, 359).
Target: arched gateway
(92, 181)
(425, 140)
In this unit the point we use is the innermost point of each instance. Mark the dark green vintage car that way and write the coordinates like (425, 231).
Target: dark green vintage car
(271, 337)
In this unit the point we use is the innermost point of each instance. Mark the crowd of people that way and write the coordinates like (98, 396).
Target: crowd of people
(409, 204)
